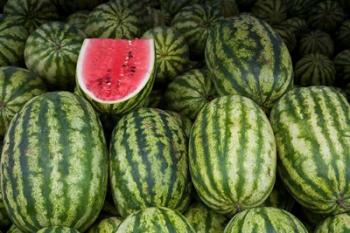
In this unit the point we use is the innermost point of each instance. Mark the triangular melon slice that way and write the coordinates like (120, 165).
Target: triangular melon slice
(116, 75)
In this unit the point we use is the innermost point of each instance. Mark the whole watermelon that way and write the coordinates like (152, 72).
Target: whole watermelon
(316, 41)
(78, 19)
(247, 57)
(335, 224)
(31, 13)
(57, 229)
(147, 144)
(272, 11)
(52, 52)
(264, 220)
(311, 126)
(58, 174)
(110, 224)
(13, 37)
(17, 86)
(232, 155)
(153, 219)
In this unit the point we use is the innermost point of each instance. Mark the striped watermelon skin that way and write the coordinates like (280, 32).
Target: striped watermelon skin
(14, 229)
(139, 7)
(155, 220)
(316, 42)
(52, 52)
(173, 7)
(63, 181)
(296, 25)
(311, 126)
(31, 13)
(110, 20)
(337, 224)
(17, 86)
(342, 66)
(272, 11)
(288, 37)
(300, 8)
(343, 34)
(147, 144)
(264, 219)
(78, 19)
(12, 40)
(326, 15)
(259, 70)
(194, 23)
(183, 121)
(57, 229)
(4, 219)
(202, 219)
(240, 173)
(110, 224)
(227, 8)
(172, 52)
(314, 69)
(190, 92)
(279, 197)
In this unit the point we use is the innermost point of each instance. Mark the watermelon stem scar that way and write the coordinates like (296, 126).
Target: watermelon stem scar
(115, 70)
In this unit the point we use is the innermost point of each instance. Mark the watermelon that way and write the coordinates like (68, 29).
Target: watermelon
(279, 197)
(183, 121)
(57, 229)
(337, 224)
(311, 126)
(300, 8)
(287, 35)
(314, 69)
(203, 219)
(31, 13)
(272, 11)
(227, 8)
(316, 42)
(343, 34)
(172, 52)
(296, 25)
(4, 219)
(106, 225)
(313, 219)
(138, 7)
(173, 7)
(247, 57)
(63, 181)
(78, 19)
(156, 18)
(232, 155)
(12, 40)
(14, 229)
(110, 20)
(190, 92)
(116, 75)
(194, 23)
(264, 220)
(326, 15)
(342, 66)
(52, 52)
(17, 86)
(153, 219)
(147, 144)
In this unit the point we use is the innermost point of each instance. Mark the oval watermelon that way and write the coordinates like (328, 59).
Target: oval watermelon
(162, 220)
(232, 155)
(247, 57)
(335, 224)
(147, 144)
(57, 229)
(58, 174)
(311, 127)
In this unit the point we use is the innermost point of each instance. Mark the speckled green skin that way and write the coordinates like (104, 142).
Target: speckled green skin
(335, 224)
(58, 230)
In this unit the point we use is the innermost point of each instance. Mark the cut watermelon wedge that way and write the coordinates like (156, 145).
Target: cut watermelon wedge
(115, 73)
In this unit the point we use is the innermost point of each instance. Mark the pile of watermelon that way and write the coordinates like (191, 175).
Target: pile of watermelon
(175, 116)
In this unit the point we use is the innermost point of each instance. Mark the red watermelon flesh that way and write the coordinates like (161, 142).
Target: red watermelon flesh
(114, 70)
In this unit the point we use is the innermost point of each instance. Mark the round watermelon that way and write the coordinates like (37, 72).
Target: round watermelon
(31, 13)
(232, 155)
(110, 20)
(247, 57)
(272, 11)
(58, 174)
(57, 229)
(172, 52)
(52, 52)
(78, 19)
(335, 224)
(106, 225)
(17, 86)
(316, 42)
(190, 92)
(147, 144)
(264, 220)
(342, 66)
(116, 75)
(227, 8)
(202, 219)
(194, 23)
(314, 69)
(310, 126)
(162, 220)
(13, 37)
(326, 15)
